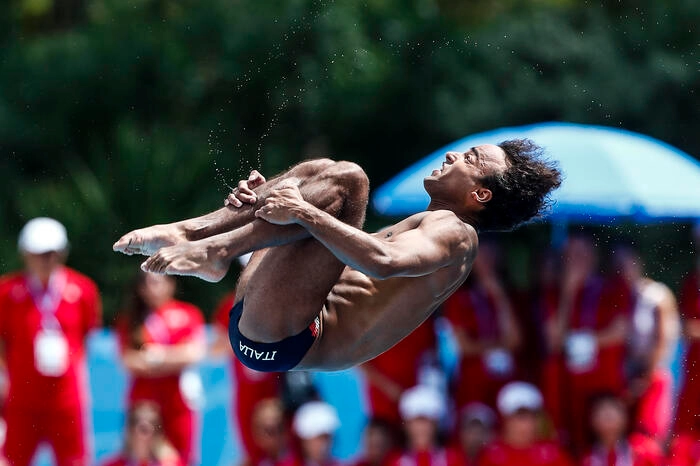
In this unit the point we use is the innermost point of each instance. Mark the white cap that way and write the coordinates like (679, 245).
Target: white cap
(518, 395)
(315, 418)
(422, 401)
(41, 235)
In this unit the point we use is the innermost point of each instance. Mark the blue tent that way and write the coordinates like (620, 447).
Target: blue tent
(609, 173)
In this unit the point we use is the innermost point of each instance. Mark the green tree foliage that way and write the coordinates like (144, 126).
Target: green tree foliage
(116, 114)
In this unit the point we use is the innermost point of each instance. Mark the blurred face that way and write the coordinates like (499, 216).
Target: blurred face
(317, 449)
(609, 420)
(459, 181)
(377, 444)
(520, 429)
(580, 255)
(42, 265)
(421, 433)
(269, 435)
(143, 433)
(629, 265)
(156, 290)
(473, 436)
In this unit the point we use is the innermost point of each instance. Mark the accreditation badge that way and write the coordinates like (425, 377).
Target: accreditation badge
(499, 362)
(581, 351)
(51, 353)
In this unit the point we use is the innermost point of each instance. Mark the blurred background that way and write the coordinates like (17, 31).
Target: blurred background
(116, 114)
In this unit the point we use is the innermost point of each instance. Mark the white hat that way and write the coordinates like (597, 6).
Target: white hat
(315, 418)
(518, 395)
(422, 401)
(41, 235)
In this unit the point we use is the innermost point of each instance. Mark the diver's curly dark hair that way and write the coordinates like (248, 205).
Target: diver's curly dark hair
(521, 191)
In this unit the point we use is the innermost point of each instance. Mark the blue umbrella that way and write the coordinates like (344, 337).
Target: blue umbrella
(608, 173)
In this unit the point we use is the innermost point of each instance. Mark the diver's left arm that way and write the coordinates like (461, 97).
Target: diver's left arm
(441, 239)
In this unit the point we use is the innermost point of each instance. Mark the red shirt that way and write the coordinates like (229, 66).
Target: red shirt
(400, 364)
(540, 454)
(389, 460)
(685, 450)
(175, 322)
(77, 310)
(637, 451)
(438, 457)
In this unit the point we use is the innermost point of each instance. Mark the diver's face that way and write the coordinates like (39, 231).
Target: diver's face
(460, 179)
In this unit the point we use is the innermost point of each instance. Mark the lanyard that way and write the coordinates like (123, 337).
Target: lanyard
(47, 300)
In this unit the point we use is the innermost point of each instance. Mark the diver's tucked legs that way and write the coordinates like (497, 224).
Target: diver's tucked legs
(210, 258)
(147, 241)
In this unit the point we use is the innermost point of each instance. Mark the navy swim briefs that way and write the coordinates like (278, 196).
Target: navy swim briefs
(281, 356)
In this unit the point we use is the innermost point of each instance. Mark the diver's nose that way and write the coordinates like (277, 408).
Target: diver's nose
(451, 157)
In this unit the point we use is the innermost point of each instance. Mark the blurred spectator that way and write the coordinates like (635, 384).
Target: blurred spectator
(144, 442)
(268, 434)
(314, 423)
(395, 370)
(160, 338)
(486, 331)
(589, 331)
(251, 386)
(45, 314)
(475, 430)
(613, 445)
(520, 405)
(378, 445)
(545, 306)
(652, 339)
(689, 402)
(422, 408)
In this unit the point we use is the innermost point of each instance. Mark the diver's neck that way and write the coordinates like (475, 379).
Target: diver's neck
(466, 217)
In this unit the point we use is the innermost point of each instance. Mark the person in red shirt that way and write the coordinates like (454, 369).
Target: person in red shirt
(315, 423)
(588, 331)
(160, 338)
(651, 342)
(392, 372)
(269, 434)
(144, 442)
(486, 331)
(614, 446)
(520, 406)
(46, 313)
(251, 386)
(689, 303)
(378, 444)
(422, 408)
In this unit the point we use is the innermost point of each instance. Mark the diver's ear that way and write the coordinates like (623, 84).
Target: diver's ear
(482, 195)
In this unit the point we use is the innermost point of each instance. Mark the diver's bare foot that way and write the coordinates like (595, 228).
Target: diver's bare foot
(189, 258)
(147, 241)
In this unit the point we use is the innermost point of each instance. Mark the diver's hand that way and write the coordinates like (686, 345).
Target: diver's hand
(244, 193)
(283, 205)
